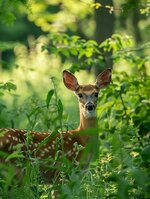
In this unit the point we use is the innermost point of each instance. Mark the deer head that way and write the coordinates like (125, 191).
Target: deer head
(87, 94)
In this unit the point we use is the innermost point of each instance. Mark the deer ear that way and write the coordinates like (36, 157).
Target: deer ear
(70, 81)
(103, 79)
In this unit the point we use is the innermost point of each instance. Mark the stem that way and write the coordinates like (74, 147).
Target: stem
(57, 99)
(124, 107)
(60, 119)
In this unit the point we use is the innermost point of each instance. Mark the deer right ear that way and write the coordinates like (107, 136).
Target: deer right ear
(70, 81)
(103, 79)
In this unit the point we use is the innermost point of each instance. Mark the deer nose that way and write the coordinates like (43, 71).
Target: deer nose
(89, 106)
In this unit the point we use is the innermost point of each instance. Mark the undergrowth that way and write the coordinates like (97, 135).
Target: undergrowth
(121, 169)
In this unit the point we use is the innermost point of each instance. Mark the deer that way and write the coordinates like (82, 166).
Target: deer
(70, 144)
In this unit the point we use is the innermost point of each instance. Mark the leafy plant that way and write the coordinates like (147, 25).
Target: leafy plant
(121, 169)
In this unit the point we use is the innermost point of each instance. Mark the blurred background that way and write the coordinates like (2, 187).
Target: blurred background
(41, 38)
(26, 67)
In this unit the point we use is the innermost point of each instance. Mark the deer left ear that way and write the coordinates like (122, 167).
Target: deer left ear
(103, 79)
(70, 81)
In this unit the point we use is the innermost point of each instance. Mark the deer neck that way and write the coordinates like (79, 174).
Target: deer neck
(87, 126)
(86, 123)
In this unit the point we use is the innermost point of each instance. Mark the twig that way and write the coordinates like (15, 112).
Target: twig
(124, 107)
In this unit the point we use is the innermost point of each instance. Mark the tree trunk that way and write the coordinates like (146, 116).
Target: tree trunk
(104, 29)
(135, 21)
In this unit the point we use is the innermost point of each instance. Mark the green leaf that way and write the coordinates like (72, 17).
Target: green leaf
(60, 108)
(2, 107)
(146, 154)
(7, 45)
(37, 109)
(73, 51)
(49, 97)
(65, 52)
(2, 133)
(96, 5)
(139, 176)
(8, 86)
(89, 52)
(15, 155)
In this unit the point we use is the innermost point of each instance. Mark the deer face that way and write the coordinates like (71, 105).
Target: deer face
(87, 94)
(87, 97)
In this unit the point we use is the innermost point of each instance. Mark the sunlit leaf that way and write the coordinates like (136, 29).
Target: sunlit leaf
(8, 86)
(60, 108)
(49, 97)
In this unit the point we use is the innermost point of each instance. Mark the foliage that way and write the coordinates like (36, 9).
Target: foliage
(74, 48)
(146, 9)
(58, 16)
(8, 9)
(125, 134)
(122, 167)
(7, 86)
(89, 53)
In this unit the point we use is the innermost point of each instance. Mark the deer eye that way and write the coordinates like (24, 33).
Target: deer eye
(96, 94)
(80, 95)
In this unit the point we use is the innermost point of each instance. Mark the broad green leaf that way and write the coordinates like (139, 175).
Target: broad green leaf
(15, 155)
(49, 97)
(146, 154)
(8, 86)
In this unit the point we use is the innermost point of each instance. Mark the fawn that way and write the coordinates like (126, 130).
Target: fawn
(71, 143)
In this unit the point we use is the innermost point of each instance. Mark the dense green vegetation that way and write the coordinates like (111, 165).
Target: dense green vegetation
(47, 37)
